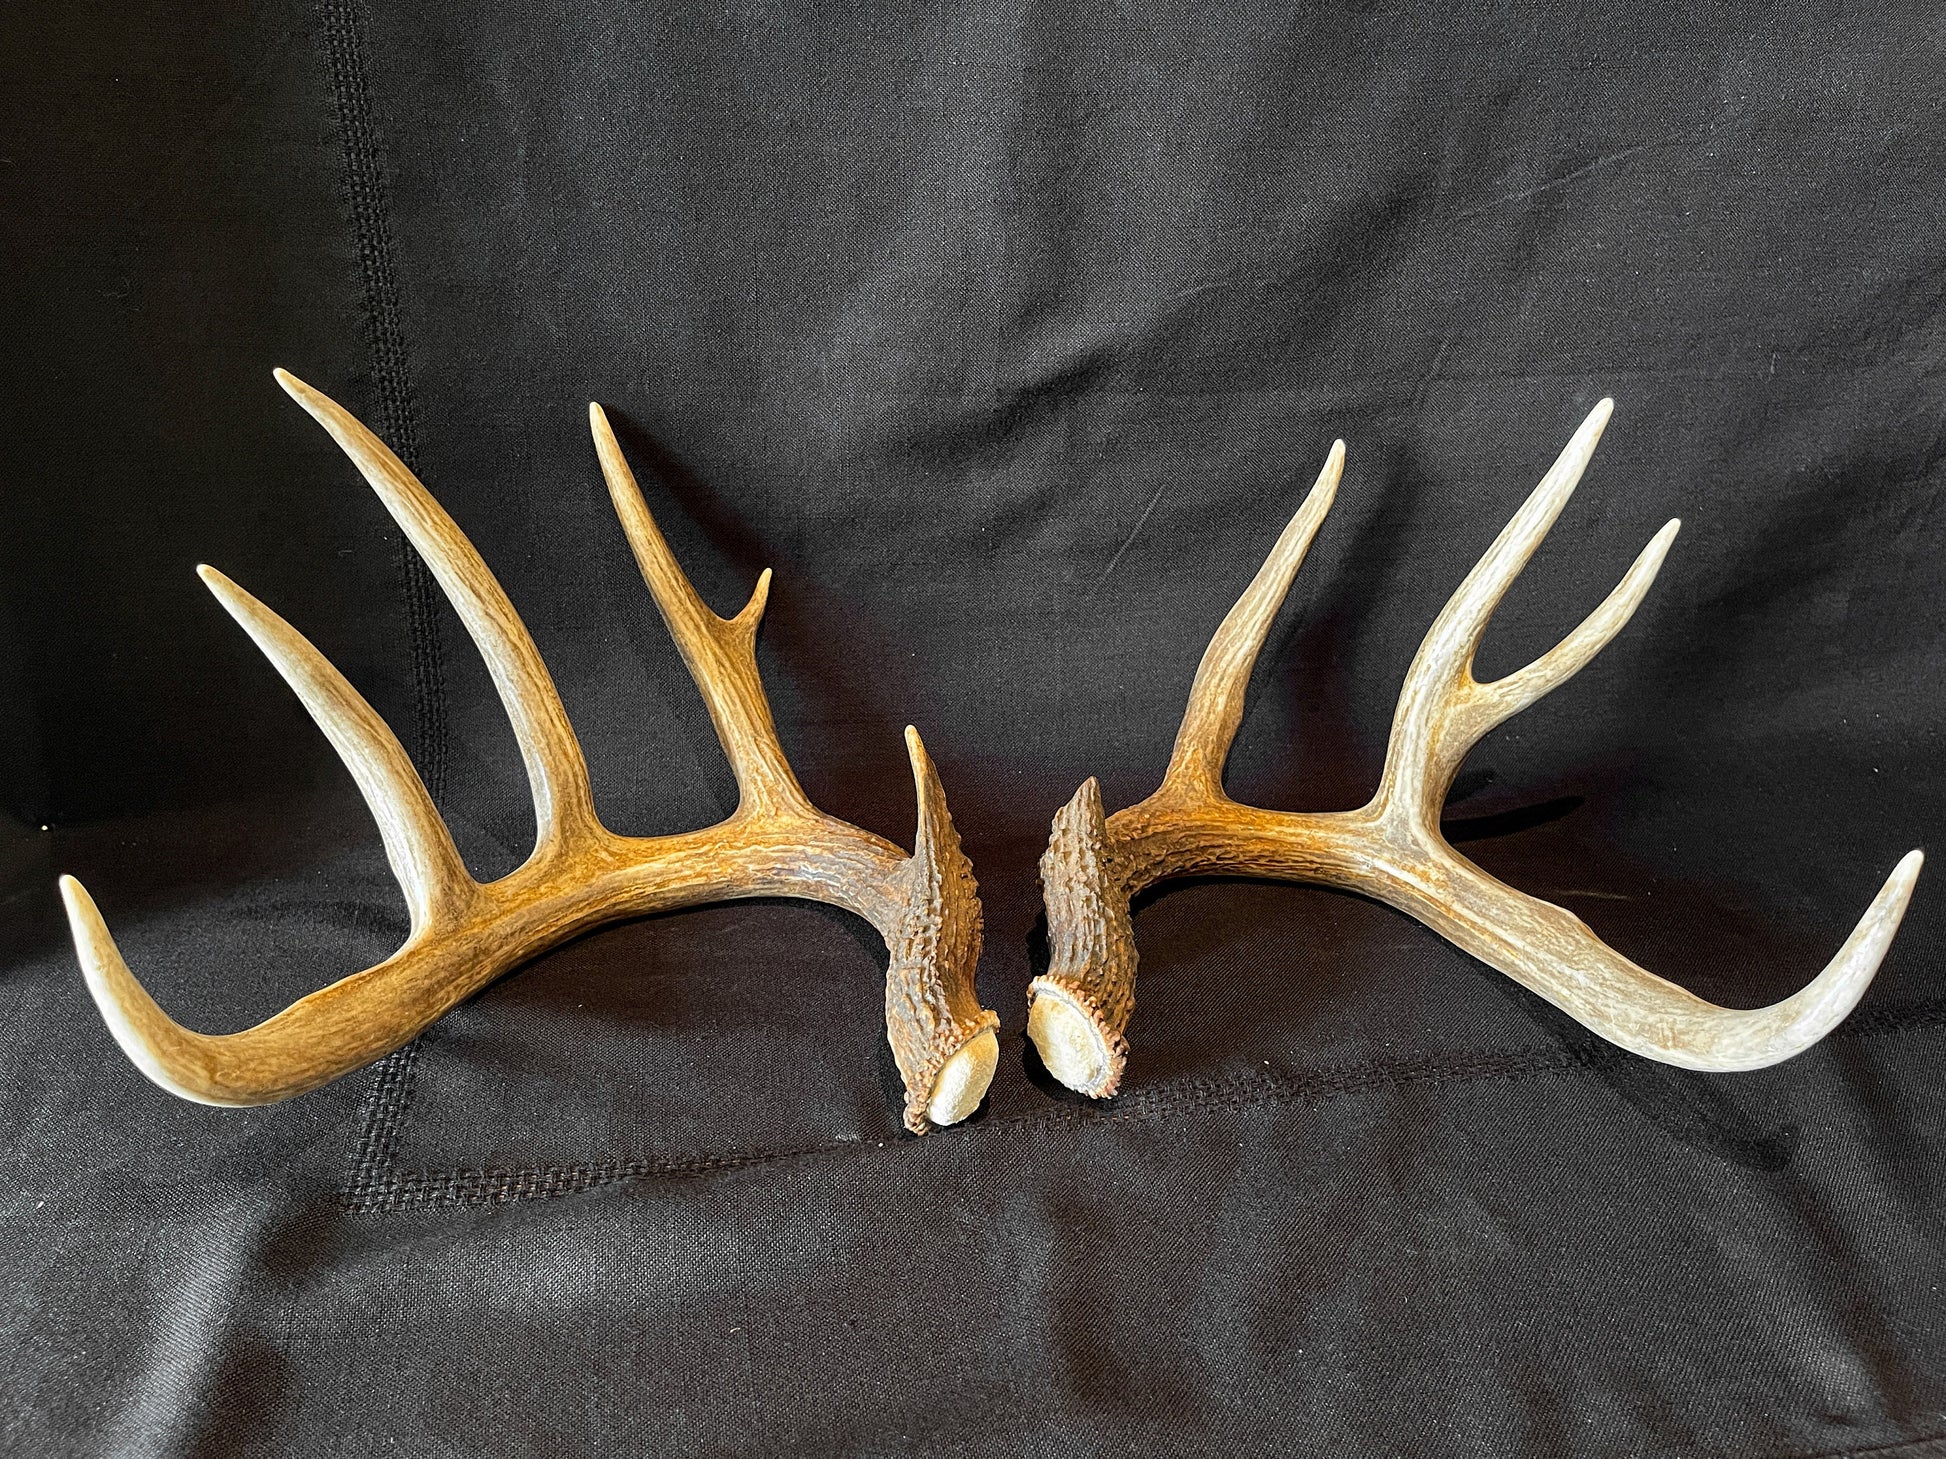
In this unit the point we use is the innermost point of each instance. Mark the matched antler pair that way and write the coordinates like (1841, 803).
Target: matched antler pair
(465, 933)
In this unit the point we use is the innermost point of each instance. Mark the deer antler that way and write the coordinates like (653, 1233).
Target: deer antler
(1391, 848)
(580, 875)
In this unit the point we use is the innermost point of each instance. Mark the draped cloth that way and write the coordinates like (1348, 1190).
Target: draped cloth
(1009, 335)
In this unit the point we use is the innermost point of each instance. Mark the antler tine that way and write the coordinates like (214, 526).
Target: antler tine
(1554, 953)
(438, 891)
(564, 808)
(720, 652)
(155, 1043)
(1446, 728)
(1442, 671)
(321, 1037)
(1391, 848)
(1216, 698)
(417, 843)
(1505, 697)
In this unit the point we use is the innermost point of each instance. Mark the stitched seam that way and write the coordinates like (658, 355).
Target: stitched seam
(419, 1190)
(1900, 1018)
(381, 1118)
(343, 27)
(377, 1189)
(1918, 1448)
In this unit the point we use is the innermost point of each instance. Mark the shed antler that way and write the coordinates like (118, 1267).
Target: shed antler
(1391, 848)
(580, 875)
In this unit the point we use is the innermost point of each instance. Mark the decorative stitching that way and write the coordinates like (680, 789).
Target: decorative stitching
(343, 27)
(378, 1189)
(1934, 1448)
(381, 1118)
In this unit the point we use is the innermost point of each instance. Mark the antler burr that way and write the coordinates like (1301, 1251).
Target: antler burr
(464, 933)
(1391, 848)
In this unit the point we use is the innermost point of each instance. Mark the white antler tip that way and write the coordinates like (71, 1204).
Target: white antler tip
(95, 948)
(321, 407)
(1575, 456)
(237, 602)
(1663, 540)
(1334, 467)
(1820, 1006)
(1907, 871)
(1588, 434)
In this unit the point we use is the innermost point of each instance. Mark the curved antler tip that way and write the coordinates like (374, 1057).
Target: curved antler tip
(85, 922)
(934, 818)
(236, 601)
(1334, 468)
(1888, 908)
(1588, 434)
(1907, 871)
(759, 596)
(1790, 1027)
(101, 964)
(320, 406)
(1660, 544)
(165, 1051)
(607, 448)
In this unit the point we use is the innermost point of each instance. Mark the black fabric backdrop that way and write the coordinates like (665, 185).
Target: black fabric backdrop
(1009, 336)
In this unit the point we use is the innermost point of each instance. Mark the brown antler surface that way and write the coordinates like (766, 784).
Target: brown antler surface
(1391, 848)
(464, 933)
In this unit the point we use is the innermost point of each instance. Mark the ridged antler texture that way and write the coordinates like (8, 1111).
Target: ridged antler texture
(1391, 848)
(465, 934)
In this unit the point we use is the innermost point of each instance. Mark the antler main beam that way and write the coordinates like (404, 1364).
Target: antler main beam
(464, 933)
(1391, 848)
